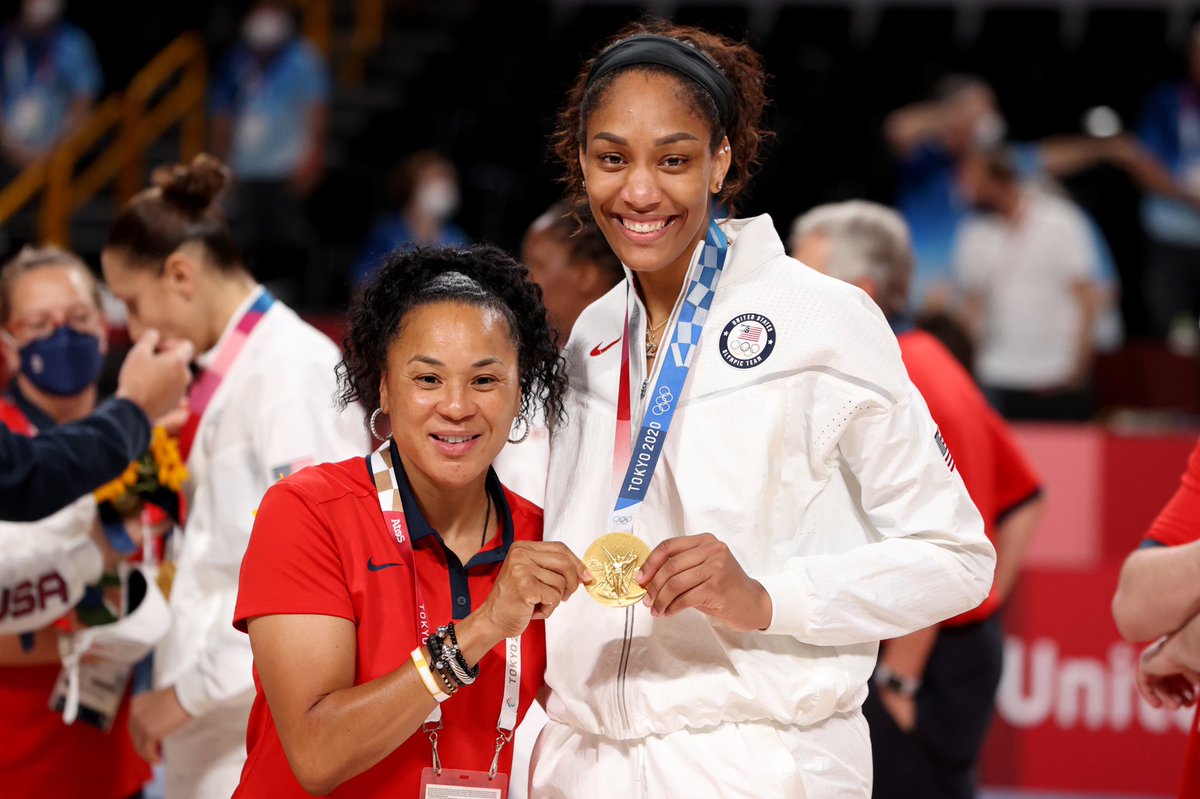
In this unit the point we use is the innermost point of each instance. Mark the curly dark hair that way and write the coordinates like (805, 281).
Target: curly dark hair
(409, 279)
(741, 65)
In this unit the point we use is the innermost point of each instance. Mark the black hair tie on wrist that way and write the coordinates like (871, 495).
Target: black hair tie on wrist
(663, 51)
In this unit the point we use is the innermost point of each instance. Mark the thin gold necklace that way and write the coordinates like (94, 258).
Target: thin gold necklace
(651, 344)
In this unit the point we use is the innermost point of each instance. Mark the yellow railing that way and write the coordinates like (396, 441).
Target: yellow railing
(23, 188)
(184, 58)
(317, 23)
(141, 116)
(138, 119)
(365, 39)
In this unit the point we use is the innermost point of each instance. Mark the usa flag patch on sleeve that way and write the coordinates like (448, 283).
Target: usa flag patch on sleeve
(941, 445)
(283, 470)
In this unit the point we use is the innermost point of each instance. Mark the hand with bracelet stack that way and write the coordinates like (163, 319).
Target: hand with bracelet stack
(394, 602)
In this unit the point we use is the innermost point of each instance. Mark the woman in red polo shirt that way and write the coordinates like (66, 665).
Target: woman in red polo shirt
(376, 589)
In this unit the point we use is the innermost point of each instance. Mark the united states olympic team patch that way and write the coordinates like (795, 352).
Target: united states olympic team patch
(747, 340)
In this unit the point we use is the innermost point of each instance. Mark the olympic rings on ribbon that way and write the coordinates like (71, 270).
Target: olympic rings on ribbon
(662, 403)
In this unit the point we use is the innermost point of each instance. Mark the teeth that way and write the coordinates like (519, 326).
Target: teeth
(644, 227)
(453, 439)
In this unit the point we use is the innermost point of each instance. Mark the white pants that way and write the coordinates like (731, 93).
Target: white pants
(831, 760)
(204, 759)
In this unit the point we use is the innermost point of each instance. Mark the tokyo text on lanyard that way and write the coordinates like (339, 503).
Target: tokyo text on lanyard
(643, 453)
(382, 463)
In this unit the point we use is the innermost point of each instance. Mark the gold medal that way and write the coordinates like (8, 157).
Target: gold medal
(613, 560)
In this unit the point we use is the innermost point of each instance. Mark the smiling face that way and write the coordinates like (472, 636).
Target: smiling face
(651, 170)
(451, 389)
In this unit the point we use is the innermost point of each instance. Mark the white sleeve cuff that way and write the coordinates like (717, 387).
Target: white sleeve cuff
(789, 610)
(192, 696)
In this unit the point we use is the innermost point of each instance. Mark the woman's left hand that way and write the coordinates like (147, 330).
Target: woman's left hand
(152, 717)
(699, 571)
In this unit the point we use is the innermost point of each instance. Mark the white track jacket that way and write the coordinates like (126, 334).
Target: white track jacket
(273, 413)
(813, 457)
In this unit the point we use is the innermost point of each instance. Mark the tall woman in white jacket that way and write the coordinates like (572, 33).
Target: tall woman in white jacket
(261, 407)
(796, 496)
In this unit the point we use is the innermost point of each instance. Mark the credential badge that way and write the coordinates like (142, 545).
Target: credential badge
(747, 340)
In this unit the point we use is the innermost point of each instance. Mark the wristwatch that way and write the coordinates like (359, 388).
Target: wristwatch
(888, 680)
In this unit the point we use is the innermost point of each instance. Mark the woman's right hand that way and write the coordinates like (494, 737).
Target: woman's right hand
(537, 576)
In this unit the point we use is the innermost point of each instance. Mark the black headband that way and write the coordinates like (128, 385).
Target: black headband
(673, 54)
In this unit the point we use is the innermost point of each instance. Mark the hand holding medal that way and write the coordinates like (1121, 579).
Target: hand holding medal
(700, 571)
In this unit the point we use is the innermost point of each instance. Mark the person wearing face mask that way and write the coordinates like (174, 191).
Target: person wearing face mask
(1026, 264)
(425, 194)
(39, 476)
(49, 80)
(930, 138)
(51, 315)
(270, 108)
(260, 409)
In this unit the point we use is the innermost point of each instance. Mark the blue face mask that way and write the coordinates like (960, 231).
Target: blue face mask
(63, 363)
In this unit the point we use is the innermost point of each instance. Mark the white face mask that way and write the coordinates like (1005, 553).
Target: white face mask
(990, 130)
(267, 29)
(437, 198)
(40, 13)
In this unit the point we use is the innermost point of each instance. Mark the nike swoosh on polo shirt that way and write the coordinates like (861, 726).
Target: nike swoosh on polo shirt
(598, 350)
(372, 567)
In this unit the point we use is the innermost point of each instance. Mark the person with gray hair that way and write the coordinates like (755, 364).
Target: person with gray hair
(932, 694)
(862, 243)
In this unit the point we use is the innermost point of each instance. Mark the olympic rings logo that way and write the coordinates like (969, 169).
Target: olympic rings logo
(622, 519)
(745, 349)
(662, 402)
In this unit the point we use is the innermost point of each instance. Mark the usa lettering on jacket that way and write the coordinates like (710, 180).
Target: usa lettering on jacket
(28, 596)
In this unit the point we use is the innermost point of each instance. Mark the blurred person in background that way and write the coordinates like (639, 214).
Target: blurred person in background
(50, 80)
(1158, 599)
(425, 197)
(933, 692)
(1170, 128)
(51, 318)
(1026, 264)
(931, 137)
(39, 476)
(270, 116)
(573, 264)
(261, 408)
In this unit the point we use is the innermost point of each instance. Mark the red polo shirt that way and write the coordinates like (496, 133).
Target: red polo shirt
(319, 539)
(994, 470)
(1179, 523)
(39, 755)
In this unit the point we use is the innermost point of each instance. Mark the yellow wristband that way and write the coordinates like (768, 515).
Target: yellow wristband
(418, 659)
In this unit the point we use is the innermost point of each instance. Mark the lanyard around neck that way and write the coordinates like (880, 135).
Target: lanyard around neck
(382, 463)
(640, 455)
(210, 379)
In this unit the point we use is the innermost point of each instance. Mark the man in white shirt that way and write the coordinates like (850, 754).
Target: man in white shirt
(1026, 264)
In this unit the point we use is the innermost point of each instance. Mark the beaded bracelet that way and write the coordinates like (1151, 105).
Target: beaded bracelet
(445, 661)
(448, 657)
(438, 664)
(468, 674)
